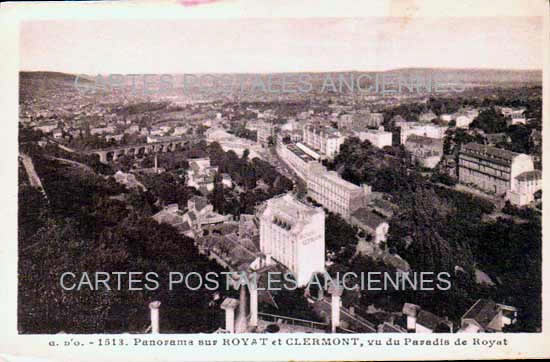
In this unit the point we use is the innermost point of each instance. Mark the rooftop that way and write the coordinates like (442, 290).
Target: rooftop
(489, 151)
(483, 312)
(368, 218)
(425, 141)
(529, 175)
(288, 211)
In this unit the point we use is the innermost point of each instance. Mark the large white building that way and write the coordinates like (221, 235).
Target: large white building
(325, 140)
(378, 138)
(500, 172)
(295, 158)
(524, 188)
(333, 192)
(293, 234)
(463, 118)
(419, 129)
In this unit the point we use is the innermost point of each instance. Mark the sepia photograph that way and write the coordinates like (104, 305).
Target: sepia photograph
(346, 176)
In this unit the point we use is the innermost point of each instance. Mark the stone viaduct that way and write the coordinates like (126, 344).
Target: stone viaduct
(107, 155)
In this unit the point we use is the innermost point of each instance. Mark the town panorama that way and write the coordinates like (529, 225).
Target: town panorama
(128, 199)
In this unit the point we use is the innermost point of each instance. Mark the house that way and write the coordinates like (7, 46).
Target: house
(226, 180)
(526, 185)
(421, 129)
(116, 137)
(363, 120)
(487, 316)
(129, 180)
(156, 131)
(496, 138)
(57, 133)
(446, 117)
(427, 117)
(378, 138)
(371, 223)
(398, 121)
(422, 321)
(200, 213)
(201, 174)
(132, 129)
(427, 151)
(464, 117)
(102, 130)
(516, 119)
(511, 112)
(179, 131)
(383, 207)
(172, 215)
(47, 127)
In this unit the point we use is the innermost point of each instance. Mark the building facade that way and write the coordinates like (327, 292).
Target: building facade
(325, 140)
(333, 192)
(526, 185)
(293, 234)
(492, 169)
(426, 130)
(378, 138)
(265, 132)
(427, 151)
(295, 158)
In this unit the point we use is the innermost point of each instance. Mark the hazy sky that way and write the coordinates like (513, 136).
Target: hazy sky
(277, 45)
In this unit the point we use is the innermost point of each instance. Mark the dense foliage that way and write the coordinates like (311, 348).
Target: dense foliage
(439, 229)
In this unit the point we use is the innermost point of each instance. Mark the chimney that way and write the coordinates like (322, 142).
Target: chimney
(156, 163)
(154, 307)
(229, 305)
(241, 323)
(253, 306)
(411, 323)
(336, 293)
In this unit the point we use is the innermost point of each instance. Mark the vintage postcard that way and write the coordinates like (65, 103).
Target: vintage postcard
(213, 180)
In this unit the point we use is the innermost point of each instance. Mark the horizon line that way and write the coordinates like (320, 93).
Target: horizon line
(312, 71)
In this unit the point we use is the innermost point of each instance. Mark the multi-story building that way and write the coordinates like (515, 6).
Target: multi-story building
(325, 140)
(492, 169)
(345, 121)
(527, 184)
(201, 174)
(333, 192)
(360, 121)
(293, 234)
(427, 151)
(295, 158)
(266, 132)
(464, 117)
(419, 129)
(378, 138)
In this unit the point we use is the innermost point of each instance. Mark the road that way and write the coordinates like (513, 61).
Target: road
(34, 180)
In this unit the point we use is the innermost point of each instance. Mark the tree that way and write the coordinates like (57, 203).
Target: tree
(489, 121)
(339, 234)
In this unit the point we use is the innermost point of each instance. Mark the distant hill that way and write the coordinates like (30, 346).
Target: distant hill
(55, 76)
(468, 77)
(478, 76)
